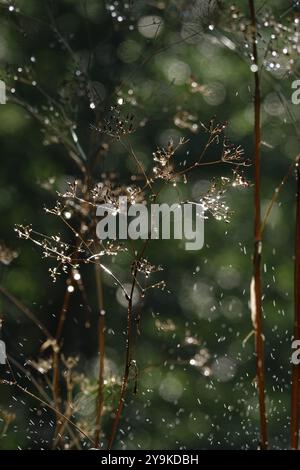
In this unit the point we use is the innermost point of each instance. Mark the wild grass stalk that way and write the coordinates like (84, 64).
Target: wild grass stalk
(56, 360)
(128, 356)
(295, 394)
(101, 353)
(256, 279)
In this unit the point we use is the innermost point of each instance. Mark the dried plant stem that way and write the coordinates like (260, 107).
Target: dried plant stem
(128, 358)
(56, 358)
(296, 368)
(55, 380)
(259, 342)
(63, 313)
(68, 410)
(101, 353)
(126, 373)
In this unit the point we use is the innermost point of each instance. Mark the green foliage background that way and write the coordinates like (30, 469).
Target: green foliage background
(177, 405)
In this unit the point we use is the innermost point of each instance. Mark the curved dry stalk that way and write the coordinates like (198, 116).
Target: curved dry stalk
(128, 358)
(256, 279)
(56, 358)
(126, 373)
(295, 399)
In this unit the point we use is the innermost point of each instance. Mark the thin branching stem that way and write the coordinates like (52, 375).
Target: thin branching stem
(56, 359)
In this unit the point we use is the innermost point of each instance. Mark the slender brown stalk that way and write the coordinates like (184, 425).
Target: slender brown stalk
(126, 372)
(256, 280)
(296, 368)
(56, 359)
(101, 352)
(55, 379)
(129, 348)
(128, 358)
(63, 313)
